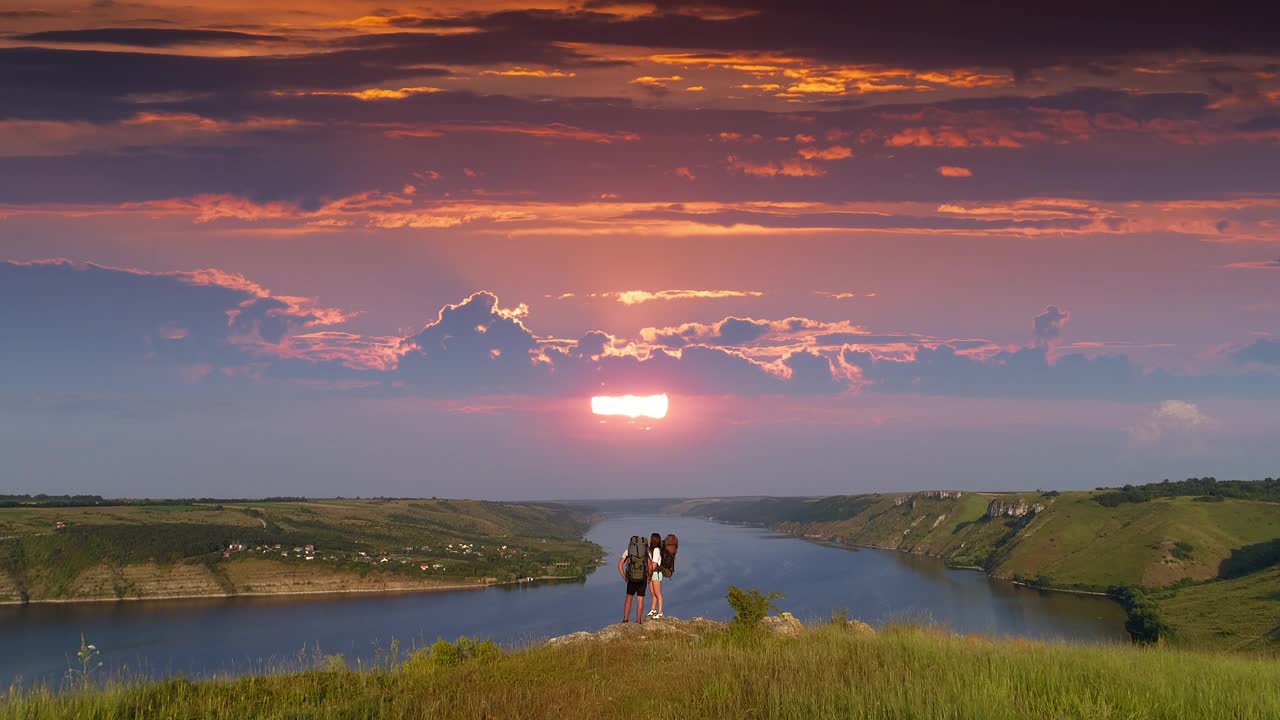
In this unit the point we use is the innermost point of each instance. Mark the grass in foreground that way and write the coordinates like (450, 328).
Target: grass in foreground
(830, 672)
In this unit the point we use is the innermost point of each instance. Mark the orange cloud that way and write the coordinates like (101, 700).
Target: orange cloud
(557, 131)
(58, 137)
(527, 72)
(1244, 219)
(965, 79)
(785, 168)
(636, 297)
(870, 87)
(1255, 265)
(794, 78)
(368, 95)
(954, 171)
(834, 152)
(1028, 208)
(651, 81)
(950, 137)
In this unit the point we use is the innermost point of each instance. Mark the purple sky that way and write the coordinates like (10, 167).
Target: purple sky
(350, 248)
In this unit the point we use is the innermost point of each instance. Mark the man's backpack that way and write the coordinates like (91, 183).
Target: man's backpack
(637, 559)
(669, 547)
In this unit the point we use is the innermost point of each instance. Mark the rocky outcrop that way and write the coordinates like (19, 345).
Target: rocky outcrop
(999, 508)
(928, 495)
(663, 627)
(859, 627)
(785, 625)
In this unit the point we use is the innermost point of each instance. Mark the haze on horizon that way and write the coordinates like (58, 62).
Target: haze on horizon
(358, 249)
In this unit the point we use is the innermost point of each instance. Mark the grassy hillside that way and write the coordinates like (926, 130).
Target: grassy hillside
(829, 672)
(1074, 542)
(1068, 541)
(212, 548)
(1235, 614)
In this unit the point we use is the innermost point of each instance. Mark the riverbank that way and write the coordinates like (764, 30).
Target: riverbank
(703, 671)
(198, 549)
(1183, 553)
(408, 590)
(831, 542)
(281, 594)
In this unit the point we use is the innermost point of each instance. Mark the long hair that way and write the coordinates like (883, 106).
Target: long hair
(655, 541)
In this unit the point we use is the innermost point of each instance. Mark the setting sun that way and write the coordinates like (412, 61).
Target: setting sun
(632, 406)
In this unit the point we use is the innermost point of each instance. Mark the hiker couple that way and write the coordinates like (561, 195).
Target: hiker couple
(643, 566)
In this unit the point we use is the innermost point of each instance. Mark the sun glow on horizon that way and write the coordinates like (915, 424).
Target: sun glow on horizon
(632, 406)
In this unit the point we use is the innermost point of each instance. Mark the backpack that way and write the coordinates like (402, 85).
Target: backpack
(637, 559)
(668, 564)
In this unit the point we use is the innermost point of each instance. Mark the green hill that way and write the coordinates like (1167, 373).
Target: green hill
(829, 671)
(1180, 546)
(1236, 614)
(195, 548)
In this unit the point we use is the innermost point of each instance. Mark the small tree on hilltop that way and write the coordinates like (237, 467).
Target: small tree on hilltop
(750, 606)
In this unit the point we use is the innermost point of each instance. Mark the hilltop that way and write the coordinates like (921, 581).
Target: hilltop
(1175, 552)
(697, 669)
(65, 549)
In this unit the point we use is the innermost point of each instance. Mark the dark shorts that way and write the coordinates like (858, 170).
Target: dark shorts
(636, 587)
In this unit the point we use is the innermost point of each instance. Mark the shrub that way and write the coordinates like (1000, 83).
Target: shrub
(1183, 550)
(750, 606)
(1144, 623)
(444, 654)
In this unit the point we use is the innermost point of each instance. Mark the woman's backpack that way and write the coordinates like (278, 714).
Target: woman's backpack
(637, 559)
(669, 548)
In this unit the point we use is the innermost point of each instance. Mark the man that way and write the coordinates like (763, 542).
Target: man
(635, 568)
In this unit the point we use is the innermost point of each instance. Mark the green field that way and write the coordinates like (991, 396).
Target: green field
(1179, 548)
(1236, 614)
(830, 671)
(212, 548)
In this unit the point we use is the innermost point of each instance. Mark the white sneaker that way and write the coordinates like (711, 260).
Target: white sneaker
(658, 616)
(652, 613)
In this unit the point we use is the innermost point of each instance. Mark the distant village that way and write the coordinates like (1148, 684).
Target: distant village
(404, 556)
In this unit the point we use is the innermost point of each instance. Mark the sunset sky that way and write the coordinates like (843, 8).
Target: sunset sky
(350, 248)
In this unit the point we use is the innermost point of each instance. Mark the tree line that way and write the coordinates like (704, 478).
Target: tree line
(1208, 489)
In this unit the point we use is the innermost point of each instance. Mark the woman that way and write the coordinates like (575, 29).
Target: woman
(655, 576)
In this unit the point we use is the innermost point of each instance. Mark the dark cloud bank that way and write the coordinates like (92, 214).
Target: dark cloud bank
(79, 326)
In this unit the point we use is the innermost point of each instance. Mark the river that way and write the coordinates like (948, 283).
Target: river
(245, 635)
